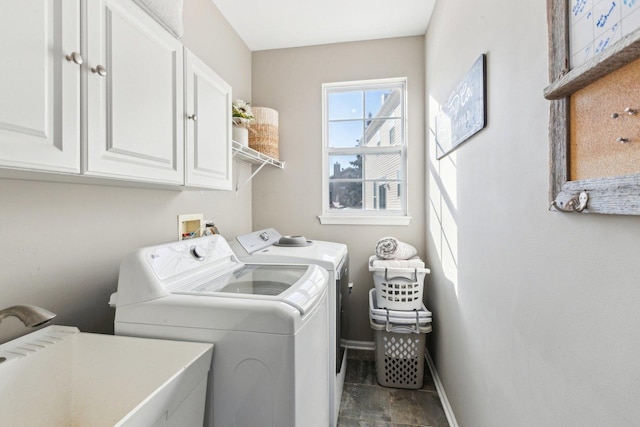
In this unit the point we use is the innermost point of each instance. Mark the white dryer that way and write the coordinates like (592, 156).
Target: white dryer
(269, 246)
(268, 324)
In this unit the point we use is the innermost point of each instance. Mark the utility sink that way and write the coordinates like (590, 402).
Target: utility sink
(59, 376)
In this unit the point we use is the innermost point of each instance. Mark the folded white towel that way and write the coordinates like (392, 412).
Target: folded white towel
(392, 248)
(414, 262)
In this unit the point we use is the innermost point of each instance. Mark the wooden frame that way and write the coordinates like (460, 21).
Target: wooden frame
(614, 195)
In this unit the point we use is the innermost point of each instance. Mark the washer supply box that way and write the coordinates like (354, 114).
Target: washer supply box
(398, 288)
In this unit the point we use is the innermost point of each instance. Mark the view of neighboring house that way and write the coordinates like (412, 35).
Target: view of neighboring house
(376, 182)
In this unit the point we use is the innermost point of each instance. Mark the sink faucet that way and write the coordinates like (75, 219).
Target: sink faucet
(30, 315)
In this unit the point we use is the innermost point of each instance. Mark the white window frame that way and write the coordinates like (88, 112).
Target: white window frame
(363, 217)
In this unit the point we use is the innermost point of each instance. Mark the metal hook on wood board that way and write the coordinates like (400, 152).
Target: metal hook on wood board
(630, 111)
(576, 203)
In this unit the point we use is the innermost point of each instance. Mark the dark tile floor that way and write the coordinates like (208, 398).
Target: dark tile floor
(365, 403)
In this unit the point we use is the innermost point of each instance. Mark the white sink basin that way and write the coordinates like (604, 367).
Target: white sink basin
(58, 376)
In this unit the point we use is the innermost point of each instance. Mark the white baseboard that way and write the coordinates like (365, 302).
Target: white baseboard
(451, 418)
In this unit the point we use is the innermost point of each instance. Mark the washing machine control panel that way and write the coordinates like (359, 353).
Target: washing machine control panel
(198, 253)
(258, 240)
(177, 258)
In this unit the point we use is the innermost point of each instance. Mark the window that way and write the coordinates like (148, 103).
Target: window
(364, 152)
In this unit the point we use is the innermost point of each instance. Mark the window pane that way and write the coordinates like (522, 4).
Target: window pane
(345, 105)
(382, 195)
(345, 195)
(383, 133)
(383, 103)
(364, 148)
(345, 167)
(381, 166)
(345, 134)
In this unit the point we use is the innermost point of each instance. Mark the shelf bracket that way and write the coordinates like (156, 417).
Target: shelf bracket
(248, 155)
(238, 188)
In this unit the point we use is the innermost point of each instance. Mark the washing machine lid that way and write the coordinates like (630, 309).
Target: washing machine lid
(297, 285)
(207, 266)
(256, 279)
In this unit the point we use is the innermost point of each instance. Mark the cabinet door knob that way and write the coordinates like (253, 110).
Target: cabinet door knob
(193, 117)
(75, 57)
(100, 70)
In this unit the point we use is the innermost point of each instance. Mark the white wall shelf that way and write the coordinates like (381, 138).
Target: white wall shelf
(249, 155)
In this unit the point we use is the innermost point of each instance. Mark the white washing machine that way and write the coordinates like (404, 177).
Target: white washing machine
(268, 324)
(268, 246)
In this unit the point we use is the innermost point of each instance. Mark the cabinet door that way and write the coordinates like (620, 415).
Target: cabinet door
(39, 88)
(208, 110)
(135, 95)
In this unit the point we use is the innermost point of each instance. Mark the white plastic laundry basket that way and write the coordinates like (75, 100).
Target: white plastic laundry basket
(398, 288)
(399, 320)
(400, 357)
(400, 338)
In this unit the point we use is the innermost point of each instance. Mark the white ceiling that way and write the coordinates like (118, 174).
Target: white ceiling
(275, 24)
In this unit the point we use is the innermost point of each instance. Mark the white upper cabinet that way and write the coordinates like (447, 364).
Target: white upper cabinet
(39, 88)
(135, 105)
(97, 88)
(208, 127)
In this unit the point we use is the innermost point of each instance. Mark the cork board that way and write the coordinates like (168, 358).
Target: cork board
(594, 151)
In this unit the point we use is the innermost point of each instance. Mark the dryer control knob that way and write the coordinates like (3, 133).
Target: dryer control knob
(198, 253)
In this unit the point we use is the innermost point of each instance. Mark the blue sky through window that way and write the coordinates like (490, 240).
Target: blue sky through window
(345, 105)
(348, 114)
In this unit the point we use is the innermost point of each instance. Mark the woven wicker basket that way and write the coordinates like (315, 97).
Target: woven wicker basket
(263, 136)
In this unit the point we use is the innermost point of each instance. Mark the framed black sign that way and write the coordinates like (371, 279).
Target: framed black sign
(465, 112)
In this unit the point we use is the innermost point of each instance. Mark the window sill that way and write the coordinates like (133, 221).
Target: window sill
(364, 220)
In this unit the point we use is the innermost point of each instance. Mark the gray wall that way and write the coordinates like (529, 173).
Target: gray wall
(61, 244)
(536, 312)
(290, 80)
